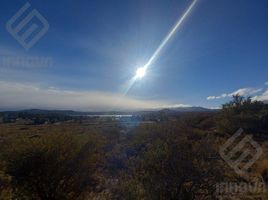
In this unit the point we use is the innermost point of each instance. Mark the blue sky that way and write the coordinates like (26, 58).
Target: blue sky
(96, 47)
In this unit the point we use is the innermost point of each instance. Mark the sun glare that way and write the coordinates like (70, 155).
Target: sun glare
(140, 73)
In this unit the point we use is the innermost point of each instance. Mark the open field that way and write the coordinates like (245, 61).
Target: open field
(178, 157)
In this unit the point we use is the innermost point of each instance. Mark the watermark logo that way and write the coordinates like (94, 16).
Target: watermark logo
(241, 190)
(23, 27)
(26, 62)
(240, 155)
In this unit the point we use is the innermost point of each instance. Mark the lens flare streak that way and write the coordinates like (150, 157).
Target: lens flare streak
(162, 45)
(170, 34)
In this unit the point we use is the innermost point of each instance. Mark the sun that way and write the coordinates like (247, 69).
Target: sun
(140, 73)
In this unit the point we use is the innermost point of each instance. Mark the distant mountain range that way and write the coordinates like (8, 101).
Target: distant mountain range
(79, 113)
(189, 109)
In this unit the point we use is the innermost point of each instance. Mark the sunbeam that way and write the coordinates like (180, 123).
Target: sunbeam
(142, 70)
(170, 34)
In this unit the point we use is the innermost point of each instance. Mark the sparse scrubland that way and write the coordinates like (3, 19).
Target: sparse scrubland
(166, 160)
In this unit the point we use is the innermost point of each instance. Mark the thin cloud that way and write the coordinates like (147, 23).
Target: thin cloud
(27, 96)
(263, 97)
(241, 92)
(215, 108)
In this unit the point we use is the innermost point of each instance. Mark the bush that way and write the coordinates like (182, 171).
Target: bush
(53, 167)
(166, 164)
(243, 113)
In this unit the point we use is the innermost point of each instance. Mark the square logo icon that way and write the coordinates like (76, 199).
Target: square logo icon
(27, 26)
(240, 154)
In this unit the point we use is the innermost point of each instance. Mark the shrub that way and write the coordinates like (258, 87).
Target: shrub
(243, 113)
(166, 164)
(55, 166)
